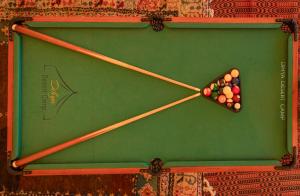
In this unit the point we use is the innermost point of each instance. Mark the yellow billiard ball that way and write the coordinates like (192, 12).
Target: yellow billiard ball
(235, 73)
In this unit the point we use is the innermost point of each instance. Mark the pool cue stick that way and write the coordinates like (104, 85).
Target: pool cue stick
(61, 43)
(30, 158)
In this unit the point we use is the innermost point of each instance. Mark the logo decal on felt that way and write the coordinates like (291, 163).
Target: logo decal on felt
(55, 92)
(225, 90)
(283, 88)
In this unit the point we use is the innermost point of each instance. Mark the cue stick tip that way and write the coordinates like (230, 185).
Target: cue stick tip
(199, 92)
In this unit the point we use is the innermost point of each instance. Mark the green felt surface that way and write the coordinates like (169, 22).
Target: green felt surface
(93, 94)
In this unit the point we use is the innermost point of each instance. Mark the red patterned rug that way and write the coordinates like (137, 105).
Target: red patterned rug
(226, 183)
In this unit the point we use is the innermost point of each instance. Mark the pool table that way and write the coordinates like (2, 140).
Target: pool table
(104, 95)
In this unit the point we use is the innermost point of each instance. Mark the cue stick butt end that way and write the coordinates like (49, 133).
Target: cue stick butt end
(14, 165)
(13, 27)
(15, 21)
(200, 92)
(13, 168)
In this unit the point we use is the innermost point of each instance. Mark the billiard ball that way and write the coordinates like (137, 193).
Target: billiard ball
(214, 87)
(226, 90)
(229, 105)
(207, 92)
(228, 84)
(235, 90)
(229, 95)
(236, 98)
(221, 82)
(220, 91)
(229, 101)
(235, 81)
(235, 73)
(222, 99)
(237, 106)
(214, 95)
(227, 77)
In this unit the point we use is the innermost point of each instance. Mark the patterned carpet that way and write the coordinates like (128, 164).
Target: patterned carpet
(225, 183)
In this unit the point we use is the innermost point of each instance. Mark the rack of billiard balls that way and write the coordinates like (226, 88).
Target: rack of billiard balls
(226, 90)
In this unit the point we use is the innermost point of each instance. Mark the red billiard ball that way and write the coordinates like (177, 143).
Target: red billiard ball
(235, 90)
(207, 92)
(236, 98)
(229, 105)
(221, 82)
